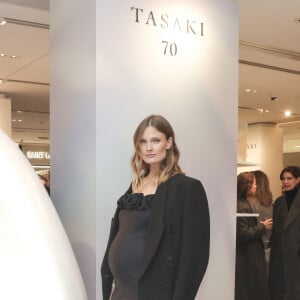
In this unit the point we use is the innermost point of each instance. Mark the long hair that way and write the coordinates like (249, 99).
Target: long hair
(244, 184)
(263, 192)
(169, 166)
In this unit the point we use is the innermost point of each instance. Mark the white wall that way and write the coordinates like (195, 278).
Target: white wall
(196, 90)
(98, 98)
(264, 147)
(5, 114)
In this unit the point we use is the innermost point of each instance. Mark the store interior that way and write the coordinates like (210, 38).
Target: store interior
(269, 69)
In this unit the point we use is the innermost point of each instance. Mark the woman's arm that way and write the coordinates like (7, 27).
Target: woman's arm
(245, 231)
(194, 250)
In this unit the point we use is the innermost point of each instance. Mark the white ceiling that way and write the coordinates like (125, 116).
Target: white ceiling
(269, 65)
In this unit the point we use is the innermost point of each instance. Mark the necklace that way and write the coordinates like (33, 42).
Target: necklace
(145, 183)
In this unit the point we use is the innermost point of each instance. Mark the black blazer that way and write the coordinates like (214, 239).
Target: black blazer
(285, 250)
(250, 270)
(177, 243)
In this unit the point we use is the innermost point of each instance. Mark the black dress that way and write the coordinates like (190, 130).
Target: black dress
(127, 248)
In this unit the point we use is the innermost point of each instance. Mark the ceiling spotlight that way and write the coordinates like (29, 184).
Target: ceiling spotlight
(287, 113)
(2, 21)
(262, 110)
(250, 91)
(2, 54)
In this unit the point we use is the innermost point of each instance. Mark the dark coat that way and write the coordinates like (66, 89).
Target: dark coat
(285, 250)
(177, 243)
(250, 273)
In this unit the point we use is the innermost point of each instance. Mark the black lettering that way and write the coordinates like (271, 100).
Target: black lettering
(136, 13)
(183, 25)
(177, 24)
(189, 27)
(151, 17)
(165, 23)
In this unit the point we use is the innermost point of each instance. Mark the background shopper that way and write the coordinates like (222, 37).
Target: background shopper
(250, 274)
(262, 203)
(285, 240)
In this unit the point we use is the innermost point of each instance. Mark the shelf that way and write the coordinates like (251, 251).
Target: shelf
(246, 164)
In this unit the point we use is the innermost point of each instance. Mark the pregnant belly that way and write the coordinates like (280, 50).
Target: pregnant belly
(125, 256)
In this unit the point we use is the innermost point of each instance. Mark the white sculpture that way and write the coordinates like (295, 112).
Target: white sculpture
(36, 258)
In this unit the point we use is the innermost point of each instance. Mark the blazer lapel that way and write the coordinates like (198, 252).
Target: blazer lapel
(293, 211)
(155, 226)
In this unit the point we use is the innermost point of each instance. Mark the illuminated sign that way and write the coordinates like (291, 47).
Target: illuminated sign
(38, 155)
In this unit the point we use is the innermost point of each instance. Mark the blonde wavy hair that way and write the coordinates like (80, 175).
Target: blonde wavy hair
(169, 166)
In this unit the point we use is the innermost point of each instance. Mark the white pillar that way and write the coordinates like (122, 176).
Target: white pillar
(109, 71)
(5, 114)
(72, 122)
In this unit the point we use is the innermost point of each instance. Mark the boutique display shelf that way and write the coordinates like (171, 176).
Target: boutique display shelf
(246, 164)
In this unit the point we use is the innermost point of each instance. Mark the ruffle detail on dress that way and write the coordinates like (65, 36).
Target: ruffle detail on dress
(136, 201)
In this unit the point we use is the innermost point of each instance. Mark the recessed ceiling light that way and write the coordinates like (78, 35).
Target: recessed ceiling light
(287, 113)
(20, 120)
(2, 54)
(14, 120)
(262, 110)
(297, 146)
(13, 56)
(2, 21)
(250, 91)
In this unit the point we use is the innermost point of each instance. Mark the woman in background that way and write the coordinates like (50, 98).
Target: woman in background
(250, 274)
(262, 203)
(285, 239)
(158, 247)
(45, 183)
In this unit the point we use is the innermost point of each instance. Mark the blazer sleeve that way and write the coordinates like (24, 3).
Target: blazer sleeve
(276, 208)
(194, 250)
(245, 231)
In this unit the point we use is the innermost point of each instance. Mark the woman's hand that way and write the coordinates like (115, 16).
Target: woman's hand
(267, 223)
